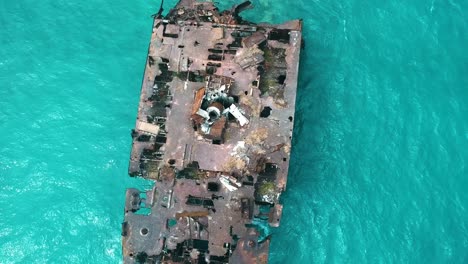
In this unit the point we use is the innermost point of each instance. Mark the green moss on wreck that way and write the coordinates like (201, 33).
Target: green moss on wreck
(267, 188)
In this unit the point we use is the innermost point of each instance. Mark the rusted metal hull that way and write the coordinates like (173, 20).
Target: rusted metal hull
(214, 131)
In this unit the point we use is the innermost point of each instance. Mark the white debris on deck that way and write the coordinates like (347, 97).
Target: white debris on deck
(147, 127)
(238, 115)
(225, 181)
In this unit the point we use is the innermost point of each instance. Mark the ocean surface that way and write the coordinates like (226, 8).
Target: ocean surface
(379, 169)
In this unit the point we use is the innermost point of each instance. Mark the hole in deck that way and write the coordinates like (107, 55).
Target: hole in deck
(215, 57)
(213, 187)
(265, 112)
(213, 115)
(281, 79)
(144, 231)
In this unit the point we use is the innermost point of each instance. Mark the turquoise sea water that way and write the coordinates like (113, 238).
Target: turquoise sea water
(379, 169)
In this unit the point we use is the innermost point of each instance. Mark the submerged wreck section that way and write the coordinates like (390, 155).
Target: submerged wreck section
(213, 131)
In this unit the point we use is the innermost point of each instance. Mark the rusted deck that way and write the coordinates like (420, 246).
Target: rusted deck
(214, 131)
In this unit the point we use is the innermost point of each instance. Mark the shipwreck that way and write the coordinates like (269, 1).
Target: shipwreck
(214, 129)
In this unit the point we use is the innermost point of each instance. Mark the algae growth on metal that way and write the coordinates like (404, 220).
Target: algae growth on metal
(213, 130)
